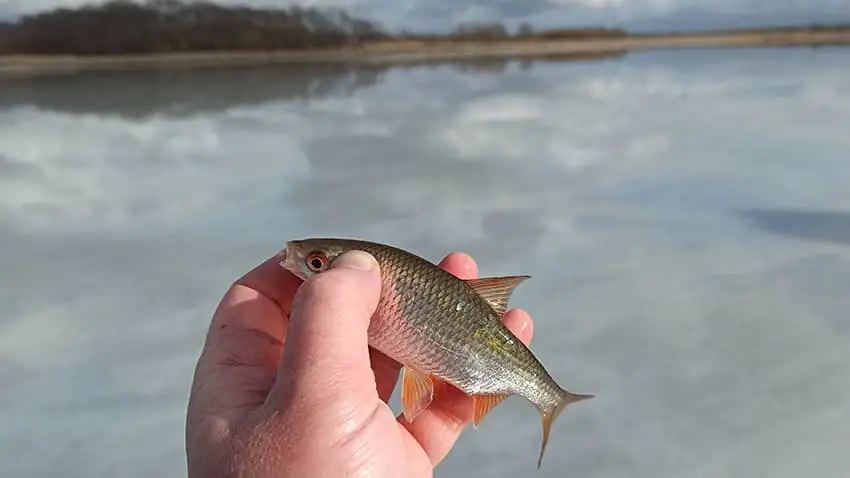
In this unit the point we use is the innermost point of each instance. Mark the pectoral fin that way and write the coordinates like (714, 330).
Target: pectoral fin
(482, 404)
(417, 392)
(496, 290)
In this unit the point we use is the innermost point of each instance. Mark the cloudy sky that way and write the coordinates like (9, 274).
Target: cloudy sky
(644, 14)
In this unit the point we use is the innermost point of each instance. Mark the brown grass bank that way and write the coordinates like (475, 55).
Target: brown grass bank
(122, 34)
(411, 52)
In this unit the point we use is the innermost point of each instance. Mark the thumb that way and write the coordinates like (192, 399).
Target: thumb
(326, 355)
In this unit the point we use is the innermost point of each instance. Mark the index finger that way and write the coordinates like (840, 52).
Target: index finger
(244, 343)
(256, 309)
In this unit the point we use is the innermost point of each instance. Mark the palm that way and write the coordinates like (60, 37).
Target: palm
(240, 362)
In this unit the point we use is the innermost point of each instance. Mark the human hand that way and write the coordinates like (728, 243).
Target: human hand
(287, 387)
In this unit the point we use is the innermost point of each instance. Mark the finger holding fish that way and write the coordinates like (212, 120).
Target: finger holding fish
(242, 349)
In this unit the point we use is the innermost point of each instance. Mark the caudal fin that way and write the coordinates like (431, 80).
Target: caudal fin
(549, 416)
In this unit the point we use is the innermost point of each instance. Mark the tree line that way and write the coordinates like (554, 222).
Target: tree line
(158, 26)
(163, 26)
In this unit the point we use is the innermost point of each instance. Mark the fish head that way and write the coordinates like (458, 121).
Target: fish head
(308, 257)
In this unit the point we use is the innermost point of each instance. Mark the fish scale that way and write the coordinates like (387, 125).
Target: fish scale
(443, 329)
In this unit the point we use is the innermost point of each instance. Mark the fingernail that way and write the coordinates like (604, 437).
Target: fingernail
(358, 260)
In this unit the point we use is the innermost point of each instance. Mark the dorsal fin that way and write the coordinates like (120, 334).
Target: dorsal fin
(496, 290)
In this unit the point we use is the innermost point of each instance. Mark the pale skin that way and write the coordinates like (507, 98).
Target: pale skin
(286, 385)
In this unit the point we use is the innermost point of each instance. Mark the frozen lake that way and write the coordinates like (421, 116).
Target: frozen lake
(685, 217)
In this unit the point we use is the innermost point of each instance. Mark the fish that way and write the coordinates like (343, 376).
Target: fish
(441, 328)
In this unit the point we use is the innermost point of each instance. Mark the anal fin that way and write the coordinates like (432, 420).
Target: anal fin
(482, 404)
(417, 392)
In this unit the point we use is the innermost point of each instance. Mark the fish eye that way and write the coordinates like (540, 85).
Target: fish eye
(317, 261)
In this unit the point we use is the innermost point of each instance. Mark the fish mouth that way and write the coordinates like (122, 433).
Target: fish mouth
(284, 256)
(289, 258)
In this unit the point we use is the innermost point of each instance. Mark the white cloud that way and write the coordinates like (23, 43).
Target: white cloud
(624, 116)
(97, 172)
(572, 129)
(591, 3)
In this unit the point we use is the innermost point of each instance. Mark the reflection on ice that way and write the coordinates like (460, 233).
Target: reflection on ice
(716, 346)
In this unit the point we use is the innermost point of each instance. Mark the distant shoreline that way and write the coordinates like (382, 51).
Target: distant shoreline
(389, 53)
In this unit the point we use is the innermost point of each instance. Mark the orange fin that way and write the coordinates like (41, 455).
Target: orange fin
(496, 290)
(482, 404)
(417, 392)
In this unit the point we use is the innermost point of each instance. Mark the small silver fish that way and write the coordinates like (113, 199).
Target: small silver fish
(442, 328)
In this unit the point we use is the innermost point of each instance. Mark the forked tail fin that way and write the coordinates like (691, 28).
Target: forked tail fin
(549, 416)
